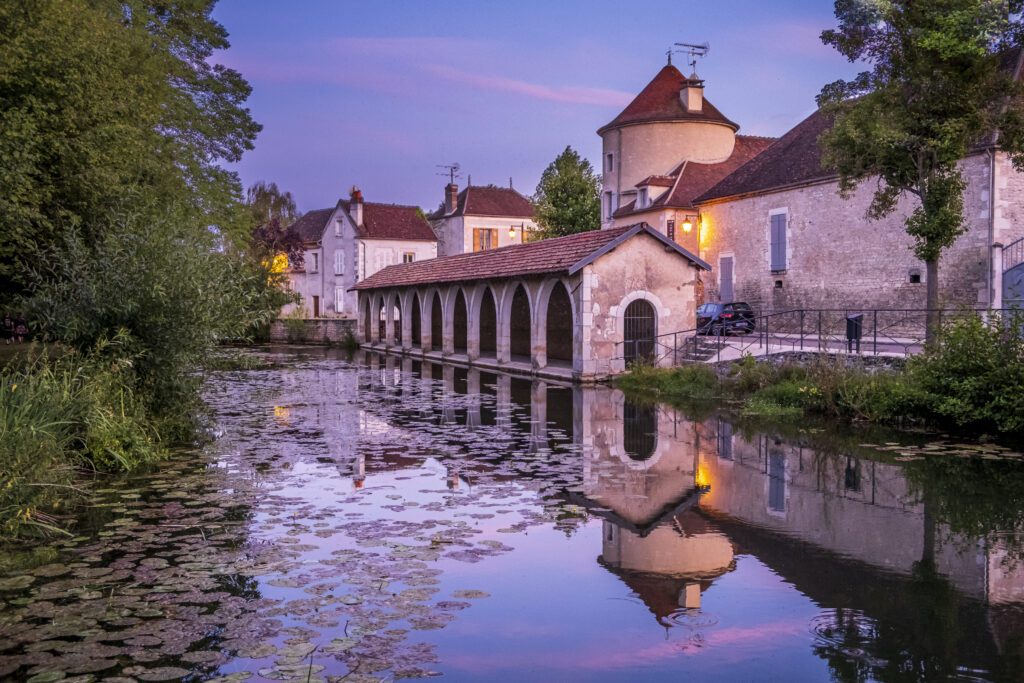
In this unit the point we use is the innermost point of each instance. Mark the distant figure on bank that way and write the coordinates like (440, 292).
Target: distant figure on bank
(7, 328)
(20, 329)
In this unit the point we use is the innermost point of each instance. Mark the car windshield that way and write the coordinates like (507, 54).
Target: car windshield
(707, 309)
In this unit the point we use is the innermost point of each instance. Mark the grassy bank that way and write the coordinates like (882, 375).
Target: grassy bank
(972, 379)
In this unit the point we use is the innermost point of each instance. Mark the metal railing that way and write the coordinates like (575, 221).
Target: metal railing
(883, 331)
(1013, 254)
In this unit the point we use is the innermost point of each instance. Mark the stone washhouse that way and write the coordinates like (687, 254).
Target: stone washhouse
(579, 307)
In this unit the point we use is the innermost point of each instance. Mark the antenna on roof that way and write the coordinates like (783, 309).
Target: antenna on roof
(451, 170)
(694, 52)
(510, 182)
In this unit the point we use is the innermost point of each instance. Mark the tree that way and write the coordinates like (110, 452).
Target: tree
(568, 197)
(267, 203)
(936, 88)
(104, 103)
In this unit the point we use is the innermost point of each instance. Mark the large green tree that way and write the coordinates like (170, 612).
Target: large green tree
(108, 103)
(938, 86)
(568, 197)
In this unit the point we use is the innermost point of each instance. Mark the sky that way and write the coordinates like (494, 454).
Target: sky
(378, 93)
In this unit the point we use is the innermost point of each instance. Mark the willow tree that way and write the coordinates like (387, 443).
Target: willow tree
(940, 84)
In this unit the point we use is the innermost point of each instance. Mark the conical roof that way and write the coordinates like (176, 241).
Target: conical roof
(659, 101)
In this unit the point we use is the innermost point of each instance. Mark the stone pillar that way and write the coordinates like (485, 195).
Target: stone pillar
(473, 324)
(374, 321)
(448, 322)
(539, 327)
(405, 303)
(997, 276)
(503, 342)
(389, 320)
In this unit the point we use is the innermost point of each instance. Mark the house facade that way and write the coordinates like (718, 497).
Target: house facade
(480, 218)
(768, 217)
(348, 243)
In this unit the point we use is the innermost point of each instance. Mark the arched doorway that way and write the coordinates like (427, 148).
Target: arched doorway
(436, 324)
(460, 323)
(488, 324)
(520, 324)
(640, 325)
(396, 322)
(382, 333)
(417, 325)
(559, 325)
(367, 327)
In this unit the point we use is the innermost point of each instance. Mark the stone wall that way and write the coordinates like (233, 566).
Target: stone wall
(322, 331)
(837, 257)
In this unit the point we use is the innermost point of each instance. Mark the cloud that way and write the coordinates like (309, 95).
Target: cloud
(569, 94)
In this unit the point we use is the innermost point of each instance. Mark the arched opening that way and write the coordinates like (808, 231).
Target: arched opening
(381, 322)
(396, 319)
(436, 323)
(640, 328)
(367, 327)
(640, 430)
(488, 325)
(559, 325)
(460, 322)
(417, 324)
(520, 324)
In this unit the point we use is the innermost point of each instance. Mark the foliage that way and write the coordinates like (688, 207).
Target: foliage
(163, 288)
(936, 87)
(273, 211)
(295, 323)
(568, 196)
(686, 382)
(267, 202)
(59, 416)
(106, 99)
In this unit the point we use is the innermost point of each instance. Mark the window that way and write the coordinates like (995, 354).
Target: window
(485, 238)
(670, 229)
(337, 228)
(915, 276)
(609, 162)
(314, 262)
(339, 261)
(383, 259)
(778, 241)
(609, 205)
(641, 200)
(339, 299)
(408, 257)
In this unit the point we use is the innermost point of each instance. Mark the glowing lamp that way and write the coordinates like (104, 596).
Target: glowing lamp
(511, 231)
(687, 226)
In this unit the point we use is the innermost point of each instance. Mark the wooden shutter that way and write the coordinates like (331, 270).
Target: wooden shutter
(778, 247)
(476, 239)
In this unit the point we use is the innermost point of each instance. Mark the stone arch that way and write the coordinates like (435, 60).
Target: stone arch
(487, 323)
(460, 321)
(365, 302)
(416, 318)
(380, 318)
(639, 331)
(559, 323)
(436, 322)
(395, 308)
(618, 312)
(519, 314)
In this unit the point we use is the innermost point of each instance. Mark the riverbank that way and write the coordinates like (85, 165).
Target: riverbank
(972, 380)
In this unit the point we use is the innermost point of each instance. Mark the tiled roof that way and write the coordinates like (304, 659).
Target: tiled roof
(695, 179)
(489, 200)
(659, 101)
(793, 159)
(658, 181)
(380, 222)
(559, 254)
(311, 225)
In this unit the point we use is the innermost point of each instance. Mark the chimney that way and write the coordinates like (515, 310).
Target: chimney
(692, 94)
(451, 198)
(355, 206)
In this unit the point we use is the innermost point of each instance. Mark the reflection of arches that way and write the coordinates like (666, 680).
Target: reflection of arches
(640, 327)
(417, 325)
(396, 322)
(520, 323)
(488, 331)
(560, 327)
(460, 322)
(436, 323)
(639, 430)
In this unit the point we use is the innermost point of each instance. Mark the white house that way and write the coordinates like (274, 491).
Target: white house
(481, 218)
(350, 242)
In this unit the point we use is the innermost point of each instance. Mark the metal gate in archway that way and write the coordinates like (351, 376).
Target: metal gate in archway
(1013, 275)
(640, 322)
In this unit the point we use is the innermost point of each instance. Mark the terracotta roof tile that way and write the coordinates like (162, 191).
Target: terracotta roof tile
(310, 226)
(658, 181)
(659, 101)
(489, 200)
(534, 258)
(380, 222)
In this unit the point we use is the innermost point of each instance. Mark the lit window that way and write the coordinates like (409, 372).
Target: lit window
(408, 257)
(485, 238)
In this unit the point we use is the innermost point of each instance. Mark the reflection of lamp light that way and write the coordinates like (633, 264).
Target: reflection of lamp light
(701, 478)
(687, 226)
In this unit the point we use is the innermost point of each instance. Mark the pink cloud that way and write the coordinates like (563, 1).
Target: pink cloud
(570, 94)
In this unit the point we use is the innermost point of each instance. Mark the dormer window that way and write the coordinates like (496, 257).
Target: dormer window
(642, 199)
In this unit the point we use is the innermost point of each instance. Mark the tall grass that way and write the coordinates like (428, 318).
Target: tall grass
(59, 417)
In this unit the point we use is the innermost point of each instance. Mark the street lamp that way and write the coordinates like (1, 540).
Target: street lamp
(512, 230)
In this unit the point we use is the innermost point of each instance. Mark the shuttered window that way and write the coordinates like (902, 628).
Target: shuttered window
(339, 261)
(778, 235)
(485, 238)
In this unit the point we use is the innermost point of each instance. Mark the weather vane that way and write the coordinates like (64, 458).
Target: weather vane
(694, 52)
(450, 170)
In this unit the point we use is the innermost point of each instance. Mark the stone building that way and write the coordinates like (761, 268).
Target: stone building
(767, 216)
(577, 307)
(481, 218)
(348, 243)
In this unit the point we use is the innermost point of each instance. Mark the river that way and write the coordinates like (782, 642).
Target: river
(373, 519)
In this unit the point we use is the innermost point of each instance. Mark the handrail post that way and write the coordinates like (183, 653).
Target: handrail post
(801, 329)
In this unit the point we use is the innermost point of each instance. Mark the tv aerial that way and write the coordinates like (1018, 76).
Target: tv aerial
(694, 52)
(450, 170)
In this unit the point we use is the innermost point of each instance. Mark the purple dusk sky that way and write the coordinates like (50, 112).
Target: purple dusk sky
(376, 94)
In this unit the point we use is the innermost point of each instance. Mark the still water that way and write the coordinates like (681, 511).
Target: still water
(379, 519)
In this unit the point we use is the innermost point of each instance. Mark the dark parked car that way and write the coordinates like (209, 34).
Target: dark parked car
(728, 318)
